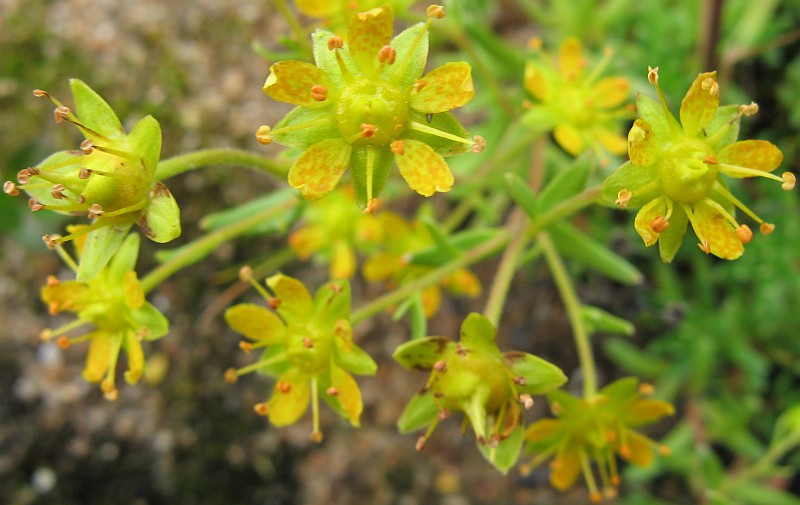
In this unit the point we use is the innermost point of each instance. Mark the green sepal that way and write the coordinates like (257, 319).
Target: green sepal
(276, 368)
(422, 353)
(68, 171)
(94, 113)
(101, 245)
(566, 401)
(149, 317)
(145, 141)
(161, 221)
(727, 117)
(408, 67)
(124, 259)
(420, 411)
(594, 255)
(305, 137)
(787, 426)
(332, 303)
(326, 59)
(354, 359)
(444, 121)
(597, 319)
(522, 194)
(540, 376)
(566, 183)
(670, 240)
(657, 117)
(631, 177)
(504, 456)
(478, 334)
(382, 165)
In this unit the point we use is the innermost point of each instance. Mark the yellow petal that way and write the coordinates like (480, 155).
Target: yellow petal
(291, 82)
(290, 398)
(255, 322)
(343, 260)
(645, 217)
(700, 103)
(570, 59)
(347, 394)
(536, 81)
(134, 294)
(565, 468)
(294, 300)
(569, 138)
(317, 8)
(642, 145)
(611, 141)
(431, 300)
(424, 169)
(646, 411)
(98, 359)
(445, 88)
(380, 267)
(369, 32)
(711, 225)
(543, 430)
(611, 92)
(639, 449)
(755, 154)
(135, 356)
(318, 170)
(463, 282)
(307, 240)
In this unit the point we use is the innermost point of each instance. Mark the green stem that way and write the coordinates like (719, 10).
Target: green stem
(573, 306)
(469, 257)
(564, 209)
(198, 159)
(202, 247)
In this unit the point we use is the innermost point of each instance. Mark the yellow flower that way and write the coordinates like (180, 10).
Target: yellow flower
(336, 14)
(675, 171)
(365, 105)
(582, 108)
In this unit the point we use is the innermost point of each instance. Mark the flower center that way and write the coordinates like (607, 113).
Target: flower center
(686, 174)
(370, 113)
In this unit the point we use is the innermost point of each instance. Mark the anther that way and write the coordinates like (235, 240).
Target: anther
(749, 110)
(766, 228)
(263, 136)
(274, 303)
(744, 233)
(443, 414)
(53, 308)
(398, 147)
(440, 365)
(261, 409)
(710, 85)
(595, 497)
(387, 54)
(789, 180)
(704, 246)
(610, 493)
(95, 210)
(336, 289)
(371, 207)
(87, 146)
(316, 436)
(368, 130)
(664, 450)
(245, 346)
(435, 11)
(230, 376)
(652, 75)
(60, 113)
(84, 173)
(245, 273)
(419, 84)
(57, 191)
(46, 334)
(332, 391)
(51, 241)
(535, 43)
(318, 93)
(646, 389)
(526, 400)
(110, 391)
(623, 197)
(335, 42)
(284, 386)
(63, 342)
(34, 205)
(40, 93)
(420, 443)
(10, 188)
(52, 280)
(24, 175)
(308, 343)
(659, 224)
(520, 380)
(710, 160)
(479, 144)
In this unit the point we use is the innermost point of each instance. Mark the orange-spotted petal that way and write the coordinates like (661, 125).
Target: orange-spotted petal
(347, 394)
(709, 224)
(570, 59)
(638, 449)
(565, 468)
(256, 323)
(700, 103)
(291, 82)
(445, 88)
(294, 300)
(290, 398)
(646, 216)
(424, 169)
(642, 146)
(569, 138)
(754, 154)
(318, 170)
(611, 92)
(369, 32)
(646, 411)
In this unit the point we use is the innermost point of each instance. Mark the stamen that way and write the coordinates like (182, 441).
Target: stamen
(335, 42)
(24, 175)
(420, 443)
(744, 234)
(60, 113)
(246, 347)
(749, 110)
(34, 205)
(52, 280)
(95, 210)
(371, 207)
(57, 191)
(440, 366)
(84, 173)
(245, 273)
(10, 188)
(526, 400)
(710, 160)
(318, 93)
(423, 128)
(231, 376)
(706, 249)
(646, 389)
(87, 146)
(368, 130)
(623, 197)
(789, 180)
(51, 241)
(316, 435)
(397, 147)
(274, 303)
(652, 75)
(284, 387)
(263, 136)
(659, 224)
(766, 228)
(535, 43)
(435, 11)
(419, 84)
(479, 144)
(710, 84)
(308, 343)
(110, 391)
(387, 54)
(39, 93)
(332, 391)
(261, 409)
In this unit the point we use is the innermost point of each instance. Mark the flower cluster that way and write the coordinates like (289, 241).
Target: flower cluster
(582, 108)
(472, 376)
(675, 171)
(113, 303)
(111, 179)
(309, 349)
(365, 104)
(596, 428)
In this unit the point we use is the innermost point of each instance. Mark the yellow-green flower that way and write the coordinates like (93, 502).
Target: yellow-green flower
(472, 376)
(113, 303)
(336, 14)
(582, 108)
(365, 105)
(309, 349)
(596, 429)
(675, 171)
(111, 179)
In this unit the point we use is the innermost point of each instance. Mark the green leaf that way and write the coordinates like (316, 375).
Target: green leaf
(592, 254)
(754, 493)
(597, 319)
(94, 112)
(540, 376)
(422, 353)
(633, 359)
(420, 412)
(417, 319)
(282, 220)
(522, 194)
(101, 245)
(124, 260)
(161, 221)
(443, 121)
(566, 183)
(505, 455)
(462, 241)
